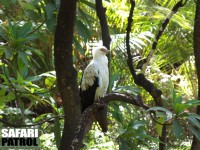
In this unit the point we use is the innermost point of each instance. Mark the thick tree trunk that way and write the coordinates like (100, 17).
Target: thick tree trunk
(196, 143)
(101, 116)
(65, 72)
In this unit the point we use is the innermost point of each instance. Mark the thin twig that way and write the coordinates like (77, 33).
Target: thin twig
(12, 88)
(158, 122)
(160, 32)
(37, 28)
(128, 30)
(88, 116)
(21, 92)
(29, 125)
(101, 14)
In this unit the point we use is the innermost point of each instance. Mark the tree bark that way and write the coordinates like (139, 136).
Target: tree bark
(65, 72)
(101, 116)
(140, 79)
(101, 14)
(89, 114)
(196, 143)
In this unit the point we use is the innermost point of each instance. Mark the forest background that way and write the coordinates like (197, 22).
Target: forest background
(154, 70)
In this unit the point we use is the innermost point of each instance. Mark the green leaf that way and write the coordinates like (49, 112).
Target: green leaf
(32, 90)
(194, 121)
(10, 96)
(138, 124)
(25, 29)
(116, 114)
(32, 37)
(160, 114)
(124, 146)
(113, 78)
(179, 108)
(177, 128)
(173, 95)
(137, 42)
(37, 52)
(88, 3)
(49, 9)
(49, 82)
(2, 101)
(48, 74)
(22, 56)
(151, 138)
(158, 109)
(129, 89)
(23, 71)
(7, 3)
(7, 98)
(8, 53)
(87, 17)
(192, 103)
(51, 23)
(195, 132)
(34, 15)
(12, 28)
(40, 117)
(19, 78)
(130, 132)
(51, 103)
(159, 127)
(83, 31)
(50, 16)
(57, 132)
(33, 78)
(146, 35)
(22, 66)
(2, 92)
(3, 34)
(2, 50)
(78, 46)
(169, 114)
(179, 99)
(28, 6)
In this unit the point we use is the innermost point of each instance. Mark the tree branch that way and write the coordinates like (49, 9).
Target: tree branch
(125, 97)
(37, 28)
(88, 116)
(160, 32)
(140, 78)
(101, 14)
(101, 116)
(9, 124)
(128, 30)
(84, 124)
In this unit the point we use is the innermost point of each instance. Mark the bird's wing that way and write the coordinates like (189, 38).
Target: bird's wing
(89, 84)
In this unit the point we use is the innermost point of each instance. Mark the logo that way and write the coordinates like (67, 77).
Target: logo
(19, 138)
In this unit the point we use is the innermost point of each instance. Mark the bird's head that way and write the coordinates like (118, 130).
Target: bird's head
(100, 51)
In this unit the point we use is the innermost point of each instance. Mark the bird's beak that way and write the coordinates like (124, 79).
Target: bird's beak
(105, 50)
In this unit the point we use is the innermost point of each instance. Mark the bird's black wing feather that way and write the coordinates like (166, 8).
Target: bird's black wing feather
(88, 96)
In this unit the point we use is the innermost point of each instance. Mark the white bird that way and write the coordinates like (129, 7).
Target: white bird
(95, 78)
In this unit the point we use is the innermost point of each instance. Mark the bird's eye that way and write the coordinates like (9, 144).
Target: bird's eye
(103, 50)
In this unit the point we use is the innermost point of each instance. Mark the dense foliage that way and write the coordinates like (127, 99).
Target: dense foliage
(28, 92)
